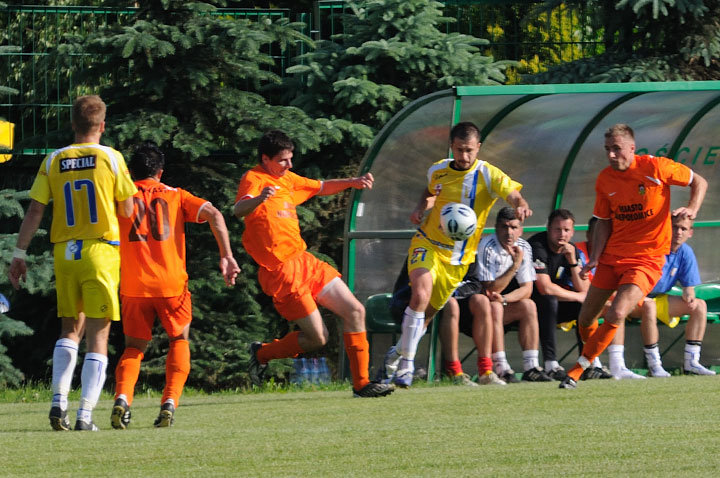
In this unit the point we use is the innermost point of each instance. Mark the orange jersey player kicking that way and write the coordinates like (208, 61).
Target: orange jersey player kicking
(631, 238)
(297, 282)
(154, 280)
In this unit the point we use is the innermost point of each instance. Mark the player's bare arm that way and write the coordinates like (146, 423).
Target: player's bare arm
(30, 224)
(522, 208)
(698, 188)
(228, 266)
(245, 206)
(426, 202)
(334, 186)
(125, 208)
(601, 233)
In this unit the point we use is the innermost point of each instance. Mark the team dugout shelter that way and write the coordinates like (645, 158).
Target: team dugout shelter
(550, 138)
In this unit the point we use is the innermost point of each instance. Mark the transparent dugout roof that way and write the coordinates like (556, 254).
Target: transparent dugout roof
(547, 137)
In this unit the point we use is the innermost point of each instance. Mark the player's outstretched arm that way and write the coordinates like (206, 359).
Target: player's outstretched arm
(334, 186)
(28, 228)
(228, 267)
(522, 208)
(245, 206)
(426, 201)
(698, 187)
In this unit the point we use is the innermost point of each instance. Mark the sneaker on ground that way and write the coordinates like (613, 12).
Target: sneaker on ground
(463, 379)
(568, 382)
(84, 426)
(593, 373)
(120, 416)
(390, 363)
(256, 370)
(166, 417)
(536, 374)
(508, 376)
(558, 373)
(658, 372)
(490, 378)
(59, 420)
(374, 389)
(403, 378)
(625, 373)
(697, 369)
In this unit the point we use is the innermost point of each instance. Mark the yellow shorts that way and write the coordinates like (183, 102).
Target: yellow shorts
(663, 311)
(87, 274)
(446, 277)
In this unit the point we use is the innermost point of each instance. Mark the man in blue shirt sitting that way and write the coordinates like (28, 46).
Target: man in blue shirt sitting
(680, 266)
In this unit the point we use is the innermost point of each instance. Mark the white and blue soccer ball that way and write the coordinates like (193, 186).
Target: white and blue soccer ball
(458, 221)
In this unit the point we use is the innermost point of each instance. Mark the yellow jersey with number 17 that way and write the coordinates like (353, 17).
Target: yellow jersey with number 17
(83, 181)
(477, 187)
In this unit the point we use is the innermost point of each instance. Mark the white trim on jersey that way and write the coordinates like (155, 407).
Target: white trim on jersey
(109, 152)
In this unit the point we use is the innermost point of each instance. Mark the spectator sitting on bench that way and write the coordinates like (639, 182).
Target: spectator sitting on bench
(468, 311)
(680, 266)
(559, 290)
(505, 269)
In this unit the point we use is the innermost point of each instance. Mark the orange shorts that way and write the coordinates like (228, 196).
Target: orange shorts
(613, 271)
(294, 286)
(138, 314)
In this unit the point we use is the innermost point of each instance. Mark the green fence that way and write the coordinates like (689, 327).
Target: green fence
(41, 108)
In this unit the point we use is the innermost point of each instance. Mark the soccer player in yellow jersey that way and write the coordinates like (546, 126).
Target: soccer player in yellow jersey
(436, 263)
(88, 185)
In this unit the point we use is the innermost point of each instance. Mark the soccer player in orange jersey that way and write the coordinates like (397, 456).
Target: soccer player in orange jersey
(297, 281)
(631, 237)
(153, 280)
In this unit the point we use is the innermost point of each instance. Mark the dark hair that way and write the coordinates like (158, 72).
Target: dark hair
(620, 129)
(146, 160)
(561, 213)
(465, 130)
(505, 214)
(272, 142)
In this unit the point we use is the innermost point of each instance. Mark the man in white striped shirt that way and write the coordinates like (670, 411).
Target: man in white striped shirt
(506, 272)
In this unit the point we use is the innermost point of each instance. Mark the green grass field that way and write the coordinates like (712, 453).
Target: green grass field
(655, 427)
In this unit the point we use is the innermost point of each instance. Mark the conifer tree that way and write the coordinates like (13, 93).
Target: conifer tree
(647, 40)
(194, 82)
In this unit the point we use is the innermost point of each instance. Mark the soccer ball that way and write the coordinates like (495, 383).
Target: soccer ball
(458, 221)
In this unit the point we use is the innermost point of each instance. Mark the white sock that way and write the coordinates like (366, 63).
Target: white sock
(692, 355)
(551, 365)
(530, 359)
(652, 355)
(616, 355)
(597, 363)
(64, 360)
(413, 327)
(93, 379)
(500, 363)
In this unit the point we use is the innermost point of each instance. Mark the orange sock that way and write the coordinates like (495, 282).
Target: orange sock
(126, 373)
(586, 332)
(177, 369)
(286, 347)
(595, 346)
(356, 347)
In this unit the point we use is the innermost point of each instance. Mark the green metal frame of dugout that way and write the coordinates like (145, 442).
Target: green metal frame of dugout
(547, 137)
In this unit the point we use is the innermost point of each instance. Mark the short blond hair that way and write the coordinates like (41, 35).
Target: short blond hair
(620, 129)
(88, 113)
